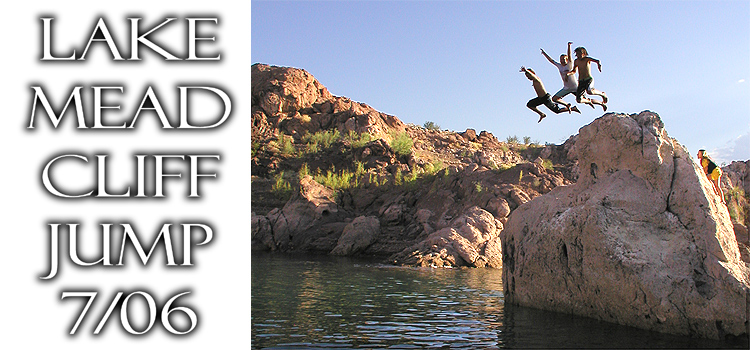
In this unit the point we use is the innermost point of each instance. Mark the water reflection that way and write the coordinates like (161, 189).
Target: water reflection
(322, 302)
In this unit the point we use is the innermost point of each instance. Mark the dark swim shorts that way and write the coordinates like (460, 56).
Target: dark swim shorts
(545, 100)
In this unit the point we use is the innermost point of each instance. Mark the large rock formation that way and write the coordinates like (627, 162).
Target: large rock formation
(307, 219)
(639, 240)
(441, 203)
(293, 101)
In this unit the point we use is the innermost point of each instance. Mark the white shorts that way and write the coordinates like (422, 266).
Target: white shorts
(564, 92)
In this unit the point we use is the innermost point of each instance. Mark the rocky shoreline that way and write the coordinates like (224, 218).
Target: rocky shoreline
(617, 223)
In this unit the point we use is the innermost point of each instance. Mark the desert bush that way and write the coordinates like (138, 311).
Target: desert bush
(281, 187)
(304, 170)
(359, 168)
(402, 143)
(286, 145)
(254, 148)
(478, 187)
(737, 204)
(431, 126)
(433, 167)
(356, 140)
(547, 164)
(398, 178)
(322, 139)
(505, 166)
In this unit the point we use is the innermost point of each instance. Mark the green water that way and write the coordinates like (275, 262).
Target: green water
(308, 302)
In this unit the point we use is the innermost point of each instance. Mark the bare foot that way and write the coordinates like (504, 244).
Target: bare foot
(604, 107)
(575, 109)
(570, 108)
(590, 104)
(604, 99)
(541, 116)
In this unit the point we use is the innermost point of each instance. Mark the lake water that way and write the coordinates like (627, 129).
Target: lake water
(309, 302)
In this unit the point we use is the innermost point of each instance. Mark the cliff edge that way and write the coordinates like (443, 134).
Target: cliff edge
(640, 239)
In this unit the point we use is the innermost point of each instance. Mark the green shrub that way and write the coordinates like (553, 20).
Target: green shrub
(431, 126)
(433, 167)
(304, 170)
(402, 143)
(337, 180)
(410, 180)
(398, 179)
(322, 139)
(737, 204)
(526, 140)
(285, 145)
(254, 148)
(478, 187)
(312, 148)
(359, 168)
(512, 139)
(356, 140)
(281, 187)
(547, 164)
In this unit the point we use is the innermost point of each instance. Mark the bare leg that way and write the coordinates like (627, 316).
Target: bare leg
(559, 100)
(541, 114)
(585, 100)
(718, 190)
(597, 102)
(600, 93)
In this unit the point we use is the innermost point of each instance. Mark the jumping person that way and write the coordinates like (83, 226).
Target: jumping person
(582, 65)
(570, 85)
(543, 96)
(713, 172)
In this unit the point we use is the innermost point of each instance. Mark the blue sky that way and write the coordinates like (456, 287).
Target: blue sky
(456, 63)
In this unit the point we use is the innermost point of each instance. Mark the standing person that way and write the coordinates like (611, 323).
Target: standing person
(570, 85)
(582, 64)
(713, 172)
(543, 96)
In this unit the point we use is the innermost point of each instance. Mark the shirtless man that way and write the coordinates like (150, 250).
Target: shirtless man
(570, 85)
(582, 65)
(543, 97)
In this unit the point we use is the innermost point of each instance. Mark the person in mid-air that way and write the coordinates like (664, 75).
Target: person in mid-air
(713, 172)
(570, 85)
(582, 65)
(543, 96)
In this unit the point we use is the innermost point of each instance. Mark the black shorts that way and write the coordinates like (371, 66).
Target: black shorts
(583, 85)
(545, 100)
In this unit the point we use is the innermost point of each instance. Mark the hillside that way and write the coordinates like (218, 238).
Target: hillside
(414, 180)
(335, 176)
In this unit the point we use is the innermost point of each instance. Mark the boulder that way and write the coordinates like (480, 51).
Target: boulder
(469, 135)
(639, 240)
(358, 235)
(499, 207)
(313, 205)
(261, 233)
(471, 240)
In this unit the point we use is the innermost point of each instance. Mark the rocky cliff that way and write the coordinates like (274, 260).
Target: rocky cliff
(640, 239)
(618, 223)
(335, 176)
